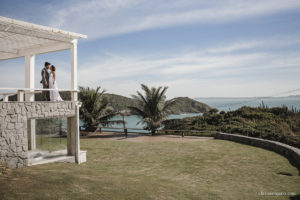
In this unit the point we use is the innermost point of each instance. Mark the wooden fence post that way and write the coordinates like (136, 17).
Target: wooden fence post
(125, 132)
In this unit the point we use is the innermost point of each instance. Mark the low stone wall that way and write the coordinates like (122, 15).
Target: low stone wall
(13, 126)
(291, 153)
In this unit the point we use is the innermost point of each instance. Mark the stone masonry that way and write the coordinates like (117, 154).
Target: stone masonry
(14, 117)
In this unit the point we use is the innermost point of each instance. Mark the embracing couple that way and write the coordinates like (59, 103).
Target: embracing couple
(49, 82)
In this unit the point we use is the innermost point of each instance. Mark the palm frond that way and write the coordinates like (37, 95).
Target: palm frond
(153, 108)
(94, 109)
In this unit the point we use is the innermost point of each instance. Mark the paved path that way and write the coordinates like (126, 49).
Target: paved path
(147, 138)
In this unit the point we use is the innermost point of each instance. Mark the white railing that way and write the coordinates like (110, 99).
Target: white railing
(31, 91)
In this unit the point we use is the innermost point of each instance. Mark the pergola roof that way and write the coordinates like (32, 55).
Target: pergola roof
(18, 38)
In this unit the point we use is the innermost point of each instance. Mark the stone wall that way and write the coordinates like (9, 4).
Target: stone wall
(291, 153)
(13, 126)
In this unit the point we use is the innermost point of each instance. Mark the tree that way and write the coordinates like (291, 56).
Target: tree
(213, 111)
(152, 107)
(210, 112)
(95, 110)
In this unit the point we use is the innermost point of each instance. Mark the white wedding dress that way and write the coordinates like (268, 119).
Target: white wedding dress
(54, 94)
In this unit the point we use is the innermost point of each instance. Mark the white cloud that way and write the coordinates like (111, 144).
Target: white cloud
(266, 43)
(103, 18)
(215, 71)
(224, 70)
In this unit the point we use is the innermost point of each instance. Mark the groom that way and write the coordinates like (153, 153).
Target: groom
(45, 81)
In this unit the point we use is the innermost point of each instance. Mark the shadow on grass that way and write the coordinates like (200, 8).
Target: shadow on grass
(120, 136)
(296, 197)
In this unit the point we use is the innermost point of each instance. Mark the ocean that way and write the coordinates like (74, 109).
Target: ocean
(226, 104)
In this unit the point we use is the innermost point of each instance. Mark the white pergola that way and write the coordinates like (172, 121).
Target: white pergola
(23, 39)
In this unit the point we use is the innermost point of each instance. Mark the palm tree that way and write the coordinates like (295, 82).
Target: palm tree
(152, 108)
(94, 110)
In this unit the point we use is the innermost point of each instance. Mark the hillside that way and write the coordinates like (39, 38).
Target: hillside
(278, 123)
(187, 105)
(183, 105)
(118, 102)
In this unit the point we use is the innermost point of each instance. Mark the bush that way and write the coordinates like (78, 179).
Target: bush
(278, 124)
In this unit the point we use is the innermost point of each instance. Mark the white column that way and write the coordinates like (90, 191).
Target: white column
(77, 136)
(74, 85)
(29, 83)
(71, 136)
(5, 97)
(31, 134)
(29, 76)
(20, 95)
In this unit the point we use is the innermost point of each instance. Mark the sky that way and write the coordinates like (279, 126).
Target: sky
(215, 48)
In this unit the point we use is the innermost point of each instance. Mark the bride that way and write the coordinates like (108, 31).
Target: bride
(54, 94)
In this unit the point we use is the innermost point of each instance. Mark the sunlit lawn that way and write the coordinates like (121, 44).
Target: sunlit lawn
(211, 169)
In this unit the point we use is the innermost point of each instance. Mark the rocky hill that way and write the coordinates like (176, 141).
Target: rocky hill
(183, 105)
(188, 105)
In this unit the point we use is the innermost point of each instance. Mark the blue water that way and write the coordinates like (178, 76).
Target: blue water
(132, 122)
(225, 104)
(228, 104)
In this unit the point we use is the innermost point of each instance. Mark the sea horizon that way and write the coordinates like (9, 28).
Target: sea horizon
(255, 97)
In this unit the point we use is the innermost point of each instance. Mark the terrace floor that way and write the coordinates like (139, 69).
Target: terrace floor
(38, 157)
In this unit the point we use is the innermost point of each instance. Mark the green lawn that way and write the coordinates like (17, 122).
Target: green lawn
(211, 169)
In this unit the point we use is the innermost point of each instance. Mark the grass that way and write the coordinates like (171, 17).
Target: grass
(211, 169)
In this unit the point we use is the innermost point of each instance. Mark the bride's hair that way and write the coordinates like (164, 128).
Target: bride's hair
(53, 68)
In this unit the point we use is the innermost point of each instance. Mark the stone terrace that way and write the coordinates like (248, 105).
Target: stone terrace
(15, 137)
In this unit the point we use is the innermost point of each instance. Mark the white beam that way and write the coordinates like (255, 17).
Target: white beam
(38, 33)
(11, 51)
(74, 85)
(29, 76)
(6, 56)
(38, 49)
(16, 26)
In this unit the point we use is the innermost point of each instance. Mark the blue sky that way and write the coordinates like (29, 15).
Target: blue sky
(228, 48)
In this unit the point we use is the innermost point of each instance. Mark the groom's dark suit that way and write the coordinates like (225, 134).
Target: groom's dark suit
(45, 82)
